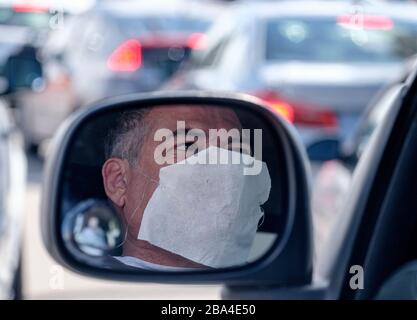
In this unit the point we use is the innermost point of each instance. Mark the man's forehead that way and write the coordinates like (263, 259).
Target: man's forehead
(193, 116)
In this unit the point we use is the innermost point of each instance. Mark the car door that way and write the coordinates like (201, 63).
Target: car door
(376, 233)
(332, 179)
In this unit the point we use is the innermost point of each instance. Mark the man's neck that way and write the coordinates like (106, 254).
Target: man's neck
(150, 253)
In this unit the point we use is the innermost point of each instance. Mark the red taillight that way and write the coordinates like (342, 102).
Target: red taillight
(127, 57)
(316, 118)
(298, 113)
(365, 21)
(29, 8)
(196, 41)
(278, 105)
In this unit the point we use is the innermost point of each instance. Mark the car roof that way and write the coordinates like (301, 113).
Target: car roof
(321, 8)
(69, 6)
(125, 8)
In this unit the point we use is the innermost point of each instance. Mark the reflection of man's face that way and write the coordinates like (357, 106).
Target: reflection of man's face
(93, 222)
(141, 180)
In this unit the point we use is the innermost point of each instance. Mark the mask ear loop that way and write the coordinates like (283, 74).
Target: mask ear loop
(262, 218)
(123, 242)
(136, 209)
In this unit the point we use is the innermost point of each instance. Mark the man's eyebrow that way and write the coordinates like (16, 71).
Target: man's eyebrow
(187, 130)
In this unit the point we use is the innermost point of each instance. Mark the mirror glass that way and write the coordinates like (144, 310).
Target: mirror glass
(173, 188)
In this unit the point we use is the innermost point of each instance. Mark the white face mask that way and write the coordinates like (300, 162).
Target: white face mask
(207, 213)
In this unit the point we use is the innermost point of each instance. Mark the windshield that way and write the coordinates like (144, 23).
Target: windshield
(376, 115)
(157, 24)
(36, 20)
(331, 40)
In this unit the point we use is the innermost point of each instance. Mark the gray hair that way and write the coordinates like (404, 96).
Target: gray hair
(125, 139)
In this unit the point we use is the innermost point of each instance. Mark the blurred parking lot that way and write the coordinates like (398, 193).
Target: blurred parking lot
(328, 69)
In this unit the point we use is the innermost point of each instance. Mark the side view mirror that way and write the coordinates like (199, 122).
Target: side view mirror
(324, 150)
(187, 187)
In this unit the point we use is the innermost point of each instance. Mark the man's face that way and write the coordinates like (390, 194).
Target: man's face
(144, 176)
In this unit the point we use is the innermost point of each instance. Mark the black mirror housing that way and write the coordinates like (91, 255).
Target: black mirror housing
(287, 262)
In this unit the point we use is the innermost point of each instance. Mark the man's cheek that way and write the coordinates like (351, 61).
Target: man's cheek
(138, 200)
(148, 194)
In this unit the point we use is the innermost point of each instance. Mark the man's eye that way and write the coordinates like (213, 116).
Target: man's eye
(185, 146)
(188, 144)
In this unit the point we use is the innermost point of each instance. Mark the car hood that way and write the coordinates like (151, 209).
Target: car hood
(339, 87)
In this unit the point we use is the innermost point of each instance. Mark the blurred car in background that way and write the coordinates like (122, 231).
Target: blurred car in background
(24, 27)
(121, 47)
(319, 63)
(12, 193)
(335, 161)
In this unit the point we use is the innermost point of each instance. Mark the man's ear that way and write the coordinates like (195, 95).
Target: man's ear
(114, 174)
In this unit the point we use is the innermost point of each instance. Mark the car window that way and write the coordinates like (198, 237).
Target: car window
(136, 25)
(330, 40)
(38, 19)
(375, 116)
